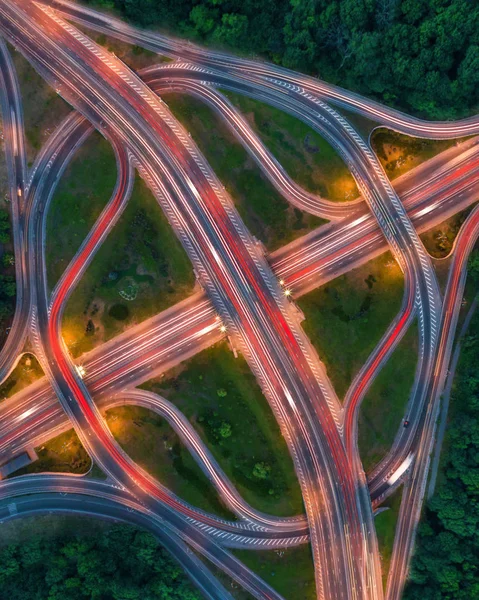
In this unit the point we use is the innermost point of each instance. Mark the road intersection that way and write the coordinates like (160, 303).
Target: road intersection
(240, 286)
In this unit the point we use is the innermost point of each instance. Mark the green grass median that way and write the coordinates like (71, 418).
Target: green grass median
(289, 571)
(140, 270)
(82, 192)
(384, 406)
(43, 108)
(399, 153)
(265, 212)
(154, 446)
(219, 395)
(346, 317)
(27, 371)
(306, 156)
(62, 454)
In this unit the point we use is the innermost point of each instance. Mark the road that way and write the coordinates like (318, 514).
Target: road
(14, 139)
(185, 50)
(159, 343)
(243, 289)
(415, 485)
(39, 494)
(402, 238)
(202, 327)
(231, 269)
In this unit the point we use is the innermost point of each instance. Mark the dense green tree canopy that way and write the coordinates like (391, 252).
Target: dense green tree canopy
(119, 564)
(446, 562)
(420, 55)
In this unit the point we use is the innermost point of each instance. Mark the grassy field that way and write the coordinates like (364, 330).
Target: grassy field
(82, 193)
(134, 56)
(346, 317)
(361, 124)
(43, 108)
(62, 454)
(152, 443)
(308, 158)
(140, 270)
(26, 372)
(384, 406)
(97, 473)
(220, 396)
(290, 572)
(266, 214)
(440, 239)
(385, 524)
(400, 153)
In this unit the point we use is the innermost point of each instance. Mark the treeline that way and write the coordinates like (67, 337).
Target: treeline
(419, 55)
(7, 279)
(117, 564)
(446, 562)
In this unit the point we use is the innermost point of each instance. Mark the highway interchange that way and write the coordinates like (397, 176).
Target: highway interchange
(242, 294)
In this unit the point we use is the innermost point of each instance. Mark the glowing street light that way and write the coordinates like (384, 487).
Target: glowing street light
(81, 370)
(287, 292)
(223, 328)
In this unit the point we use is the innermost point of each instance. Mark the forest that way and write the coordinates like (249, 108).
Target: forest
(418, 55)
(120, 563)
(446, 562)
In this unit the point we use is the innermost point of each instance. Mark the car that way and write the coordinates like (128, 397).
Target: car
(406, 423)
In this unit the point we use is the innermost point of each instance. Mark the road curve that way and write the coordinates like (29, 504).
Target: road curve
(177, 48)
(204, 458)
(14, 139)
(240, 128)
(415, 485)
(192, 325)
(41, 494)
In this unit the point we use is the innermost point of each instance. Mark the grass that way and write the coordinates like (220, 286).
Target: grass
(267, 215)
(220, 396)
(27, 371)
(347, 317)
(82, 193)
(439, 240)
(385, 523)
(400, 153)
(97, 473)
(384, 406)
(133, 56)
(152, 443)
(62, 454)
(290, 571)
(43, 108)
(140, 270)
(308, 158)
(361, 124)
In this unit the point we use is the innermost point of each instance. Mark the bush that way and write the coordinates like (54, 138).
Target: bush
(119, 312)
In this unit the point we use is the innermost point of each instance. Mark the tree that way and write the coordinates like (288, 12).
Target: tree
(261, 470)
(8, 259)
(204, 19)
(121, 563)
(473, 265)
(224, 430)
(7, 286)
(233, 29)
(4, 227)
